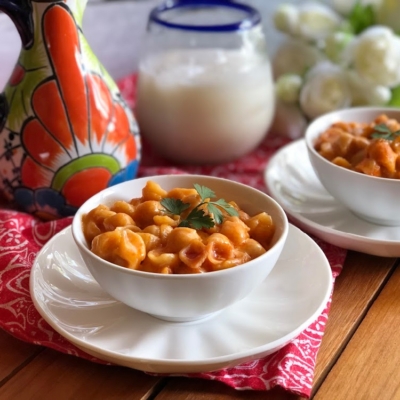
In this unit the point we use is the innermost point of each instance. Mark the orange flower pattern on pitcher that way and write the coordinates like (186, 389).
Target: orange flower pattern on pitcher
(78, 137)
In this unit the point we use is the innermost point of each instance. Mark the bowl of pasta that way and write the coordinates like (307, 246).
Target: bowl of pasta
(355, 153)
(180, 247)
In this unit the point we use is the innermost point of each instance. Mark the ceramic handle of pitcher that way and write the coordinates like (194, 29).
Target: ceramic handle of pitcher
(3, 110)
(20, 12)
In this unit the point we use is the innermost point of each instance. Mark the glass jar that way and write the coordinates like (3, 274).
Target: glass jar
(205, 86)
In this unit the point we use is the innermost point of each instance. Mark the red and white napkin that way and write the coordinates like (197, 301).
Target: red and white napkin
(22, 236)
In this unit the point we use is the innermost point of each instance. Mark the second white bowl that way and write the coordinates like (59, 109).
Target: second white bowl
(373, 199)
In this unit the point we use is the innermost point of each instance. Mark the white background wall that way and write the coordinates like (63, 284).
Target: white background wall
(114, 30)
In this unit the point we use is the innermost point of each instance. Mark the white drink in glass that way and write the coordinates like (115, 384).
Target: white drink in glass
(204, 105)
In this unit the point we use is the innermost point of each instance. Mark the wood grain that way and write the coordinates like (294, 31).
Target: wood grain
(200, 389)
(53, 375)
(355, 289)
(369, 366)
(13, 355)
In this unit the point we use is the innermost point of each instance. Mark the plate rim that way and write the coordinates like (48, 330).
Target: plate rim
(141, 363)
(318, 229)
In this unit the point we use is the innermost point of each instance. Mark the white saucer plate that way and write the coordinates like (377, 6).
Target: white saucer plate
(287, 302)
(292, 181)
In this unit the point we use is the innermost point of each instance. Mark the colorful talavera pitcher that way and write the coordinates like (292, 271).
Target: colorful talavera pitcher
(65, 131)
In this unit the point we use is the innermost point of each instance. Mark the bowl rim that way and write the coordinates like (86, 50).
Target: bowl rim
(76, 223)
(310, 135)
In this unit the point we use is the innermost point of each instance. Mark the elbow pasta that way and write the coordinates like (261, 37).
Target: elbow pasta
(139, 235)
(351, 145)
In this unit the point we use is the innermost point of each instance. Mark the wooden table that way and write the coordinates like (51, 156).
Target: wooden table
(359, 357)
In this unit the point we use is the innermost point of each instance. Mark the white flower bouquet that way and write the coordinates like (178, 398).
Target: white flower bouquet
(339, 55)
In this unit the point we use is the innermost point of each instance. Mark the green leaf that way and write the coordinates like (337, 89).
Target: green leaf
(382, 131)
(204, 192)
(184, 224)
(215, 208)
(232, 211)
(227, 207)
(198, 219)
(217, 214)
(381, 136)
(382, 128)
(174, 206)
(395, 99)
(361, 17)
(204, 222)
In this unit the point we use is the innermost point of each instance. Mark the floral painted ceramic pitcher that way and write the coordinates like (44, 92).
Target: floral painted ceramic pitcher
(65, 131)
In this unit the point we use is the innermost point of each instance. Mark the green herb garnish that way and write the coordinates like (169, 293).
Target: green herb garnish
(382, 131)
(174, 206)
(198, 218)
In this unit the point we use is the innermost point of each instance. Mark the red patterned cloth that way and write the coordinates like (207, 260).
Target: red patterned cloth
(22, 236)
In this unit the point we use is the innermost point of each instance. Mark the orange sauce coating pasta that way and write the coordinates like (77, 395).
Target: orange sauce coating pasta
(351, 145)
(140, 235)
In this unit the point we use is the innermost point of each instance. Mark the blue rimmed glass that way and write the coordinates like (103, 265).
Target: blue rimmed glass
(241, 16)
(201, 62)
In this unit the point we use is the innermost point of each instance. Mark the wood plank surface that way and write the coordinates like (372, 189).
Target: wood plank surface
(200, 389)
(355, 289)
(14, 354)
(55, 376)
(369, 367)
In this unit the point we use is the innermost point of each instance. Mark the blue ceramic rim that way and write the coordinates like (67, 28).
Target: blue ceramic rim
(253, 16)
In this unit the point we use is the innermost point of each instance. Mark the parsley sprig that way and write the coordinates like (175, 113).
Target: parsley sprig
(382, 131)
(205, 214)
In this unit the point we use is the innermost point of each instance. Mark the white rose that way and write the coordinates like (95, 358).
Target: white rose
(325, 89)
(316, 21)
(295, 57)
(288, 121)
(388, 14)
(336, 45)
(365, 93)
(376, 56)
(287, 88)
(345, 7)
(286, 18)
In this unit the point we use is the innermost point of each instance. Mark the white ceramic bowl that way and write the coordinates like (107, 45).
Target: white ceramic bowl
(371, 198)
(185, 297)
